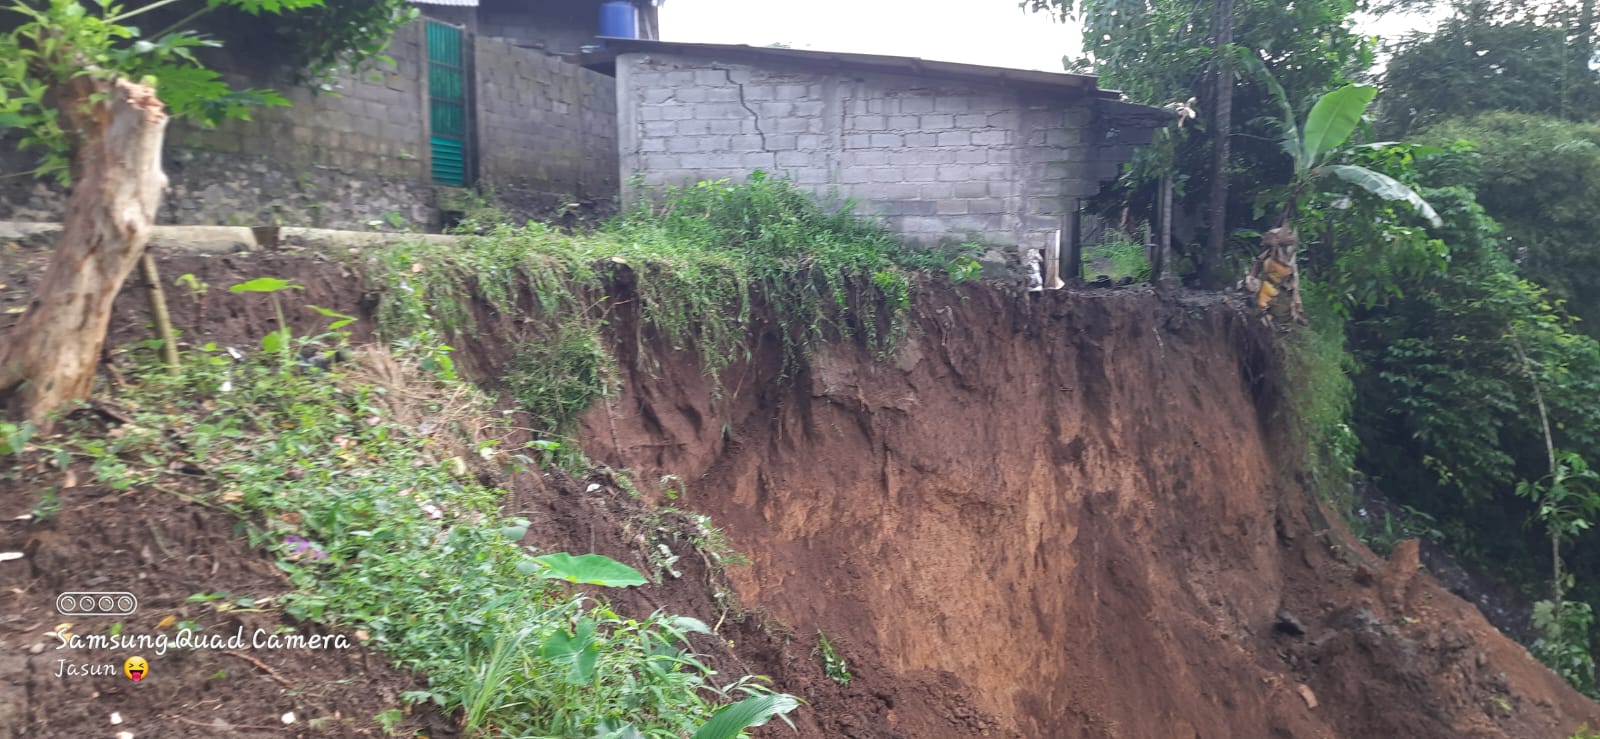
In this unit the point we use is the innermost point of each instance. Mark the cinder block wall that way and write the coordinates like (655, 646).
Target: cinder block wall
(356, 156)
(939, 161)
(547, 129)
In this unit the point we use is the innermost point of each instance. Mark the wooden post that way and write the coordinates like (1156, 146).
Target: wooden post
(1052, 263)
(1072, 263)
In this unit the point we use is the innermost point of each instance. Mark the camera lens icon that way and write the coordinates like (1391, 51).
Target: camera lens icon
(97, 604)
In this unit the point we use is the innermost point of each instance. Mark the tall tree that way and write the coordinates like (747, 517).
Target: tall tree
(1161, 51)
(1212, 270)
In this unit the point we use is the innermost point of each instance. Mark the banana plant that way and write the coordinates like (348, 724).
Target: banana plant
(1315, 147)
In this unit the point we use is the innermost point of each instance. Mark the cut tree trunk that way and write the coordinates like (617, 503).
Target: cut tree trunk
(49, 358)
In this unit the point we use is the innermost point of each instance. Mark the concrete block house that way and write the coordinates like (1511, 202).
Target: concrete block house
(526, 99)
(481, 93)
(940, 150)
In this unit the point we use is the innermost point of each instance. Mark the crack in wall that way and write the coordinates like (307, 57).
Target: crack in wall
(755, 118)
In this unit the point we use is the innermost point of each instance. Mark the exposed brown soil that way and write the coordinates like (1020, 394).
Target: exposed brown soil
(1050, 516)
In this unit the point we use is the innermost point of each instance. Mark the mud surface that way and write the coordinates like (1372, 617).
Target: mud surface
(1050, 516)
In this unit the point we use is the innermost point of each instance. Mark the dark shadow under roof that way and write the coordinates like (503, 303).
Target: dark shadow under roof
(605, 61)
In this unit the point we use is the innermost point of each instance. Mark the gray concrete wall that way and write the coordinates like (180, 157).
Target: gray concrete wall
(939, 161)
(356, 156)
(547, 129)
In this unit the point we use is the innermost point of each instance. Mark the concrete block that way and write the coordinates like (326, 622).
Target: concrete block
(887, 139)
(710, 77)
(795, 159)
(886, 174)
(920, 173)
(775, 109)
(972, 120)
(984, 206)
(796, 125)
(971, 189)
(1063, 137)
(936, 191)
(716, 143)
(808, 141)
(916, 105)
(955, 172)
(904, 123)
(991, 137)
(938, 122)
(809, 108)
(952, 104)
(857, 141)
(921, 140)
(867, 123)
(855, 175)
(955, 138)
(951, 207)
(781, 141)
(692, 128)
(867, 158)
(971, 156)
(909, 207)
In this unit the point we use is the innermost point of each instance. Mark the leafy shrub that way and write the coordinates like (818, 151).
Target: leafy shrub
(386, 532)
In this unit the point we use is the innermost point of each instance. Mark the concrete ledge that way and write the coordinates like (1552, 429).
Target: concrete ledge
(229, 239)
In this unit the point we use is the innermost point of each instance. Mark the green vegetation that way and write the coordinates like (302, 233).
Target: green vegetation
(359, 480)
(712, 268)
(1442, 363)
(1117, 259)
(833, 665)
(51, 43)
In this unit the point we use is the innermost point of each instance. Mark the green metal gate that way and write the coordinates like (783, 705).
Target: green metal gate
(447, 104)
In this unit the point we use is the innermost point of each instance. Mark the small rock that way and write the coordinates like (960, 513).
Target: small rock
(116, 718)
(36, 649)
(1288, 624)
(1305, 692)
(287, 718)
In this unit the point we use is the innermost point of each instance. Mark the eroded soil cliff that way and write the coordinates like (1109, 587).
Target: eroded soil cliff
(1060, 515)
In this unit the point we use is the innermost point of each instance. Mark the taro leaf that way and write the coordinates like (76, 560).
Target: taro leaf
(578, 649)
(263, 285)
(526, 566)
(729, 721)
(589, 569)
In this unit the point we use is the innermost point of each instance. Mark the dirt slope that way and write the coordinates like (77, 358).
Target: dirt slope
(1060, 516)
(1047, 516)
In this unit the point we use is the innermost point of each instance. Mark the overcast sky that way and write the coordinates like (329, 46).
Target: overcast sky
(992, 32)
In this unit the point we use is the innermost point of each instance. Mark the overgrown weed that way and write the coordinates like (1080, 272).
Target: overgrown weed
(366, 484)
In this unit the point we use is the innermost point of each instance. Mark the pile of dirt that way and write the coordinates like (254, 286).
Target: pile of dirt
(1056, 515)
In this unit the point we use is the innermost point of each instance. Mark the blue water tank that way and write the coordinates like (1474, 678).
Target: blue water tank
(619, 19)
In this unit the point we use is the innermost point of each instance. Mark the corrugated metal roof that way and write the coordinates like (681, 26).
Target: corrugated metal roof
(455, 3)
(1083, 83)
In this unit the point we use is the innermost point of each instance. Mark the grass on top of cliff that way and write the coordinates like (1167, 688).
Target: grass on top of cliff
(703, 254)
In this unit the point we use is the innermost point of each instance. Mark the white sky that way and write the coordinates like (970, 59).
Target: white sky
(991, 32)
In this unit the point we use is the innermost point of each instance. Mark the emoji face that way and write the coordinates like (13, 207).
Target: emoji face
(135, 668)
